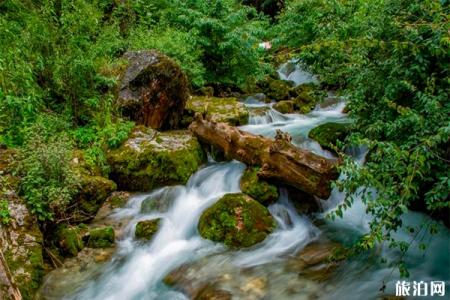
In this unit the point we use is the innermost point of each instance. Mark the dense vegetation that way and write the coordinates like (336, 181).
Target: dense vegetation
(391, 58)
(59, 62)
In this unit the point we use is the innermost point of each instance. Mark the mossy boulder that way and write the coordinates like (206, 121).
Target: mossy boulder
(285, 106)
(153, 90)
(150, 159)
(20, 237)
(236, 220)
(146, 229)
(257, 188)
(70, 239)
(306, 96)
(228, 110)
(278, 89)
(101, 237)
(329, 133)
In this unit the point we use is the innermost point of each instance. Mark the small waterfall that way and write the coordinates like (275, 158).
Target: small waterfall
(293, 233)
(292, 71)
(176, 242)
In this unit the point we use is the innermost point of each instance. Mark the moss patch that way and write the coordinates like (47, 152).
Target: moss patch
(101, 237)
(69, 240)
(306, 97)
(258, 189)
(329, 133)
(285, 106)
(150, 159)
(237, 221)
(146, 229)
(228, 110)
(278, 89)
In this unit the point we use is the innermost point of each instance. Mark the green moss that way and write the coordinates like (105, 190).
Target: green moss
(256, 188)
(329, 133)
(284, 107)
(101, 237)
(93, 189)
(146, 229)
(118, 199)
(237, 221)
(151, 159)
(69, 240)
(307, 96)
(228, 110)
(278, 89)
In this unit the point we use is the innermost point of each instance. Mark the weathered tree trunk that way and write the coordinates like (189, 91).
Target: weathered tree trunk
(279, 159)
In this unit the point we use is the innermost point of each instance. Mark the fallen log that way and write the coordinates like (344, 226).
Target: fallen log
(279, 159)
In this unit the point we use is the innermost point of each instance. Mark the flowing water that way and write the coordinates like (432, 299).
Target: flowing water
(265, 271)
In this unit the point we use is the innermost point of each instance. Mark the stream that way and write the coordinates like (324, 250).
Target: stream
(136, 270)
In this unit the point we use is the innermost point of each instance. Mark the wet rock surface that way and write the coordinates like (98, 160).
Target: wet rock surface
(236, 220)
(146, 229)
(329, 133)
(257, 188)
(315, 260)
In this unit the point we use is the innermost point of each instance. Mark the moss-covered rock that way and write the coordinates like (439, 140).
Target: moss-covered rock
(306, 97)
(146, 229)
(101, 237)
(150, 159)
(329, 133)
(228, 110)
(278, 89)
(70, 239)
(257, 188)
(93, 190)
(285, 106)
(118, 199)
(20, 238)
(236, 220)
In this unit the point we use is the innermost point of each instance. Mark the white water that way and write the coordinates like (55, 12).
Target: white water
(291, 71)
(137, 269)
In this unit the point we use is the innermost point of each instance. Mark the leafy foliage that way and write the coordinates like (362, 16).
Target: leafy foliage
(48, 181)
(391, 58)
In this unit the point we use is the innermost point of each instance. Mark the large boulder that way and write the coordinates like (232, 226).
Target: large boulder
(228, 110)
(153, 90)
(21, 261)
(150, 159)
(329, 133)
(257, 188)
(236, 220)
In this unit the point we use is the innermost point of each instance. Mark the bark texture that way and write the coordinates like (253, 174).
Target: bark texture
(279, 159)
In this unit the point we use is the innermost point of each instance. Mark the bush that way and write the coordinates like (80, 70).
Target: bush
(48, 183)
